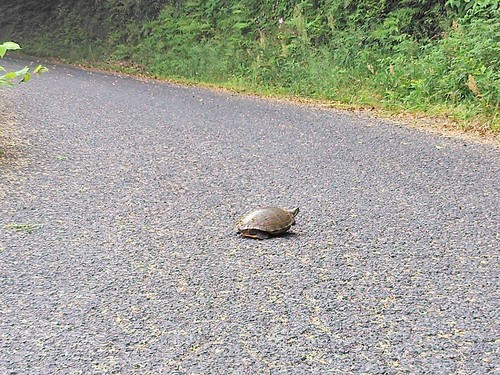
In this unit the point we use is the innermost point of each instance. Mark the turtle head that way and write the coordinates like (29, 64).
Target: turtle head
(294, 213)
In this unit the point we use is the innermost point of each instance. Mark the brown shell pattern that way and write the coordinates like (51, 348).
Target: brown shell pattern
(267, 219)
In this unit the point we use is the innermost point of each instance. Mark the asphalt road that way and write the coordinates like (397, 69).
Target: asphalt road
(118, 253)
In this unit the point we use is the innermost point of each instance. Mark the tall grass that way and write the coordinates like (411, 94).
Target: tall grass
(457, 72)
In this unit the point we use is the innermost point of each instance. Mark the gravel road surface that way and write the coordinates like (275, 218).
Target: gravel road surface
(118, 252)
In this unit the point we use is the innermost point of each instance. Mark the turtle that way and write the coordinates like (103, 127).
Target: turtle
(265, 222)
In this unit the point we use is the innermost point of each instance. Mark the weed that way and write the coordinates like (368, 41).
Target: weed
(26, 228)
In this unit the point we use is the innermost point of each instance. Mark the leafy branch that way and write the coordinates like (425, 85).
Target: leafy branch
(9, 78)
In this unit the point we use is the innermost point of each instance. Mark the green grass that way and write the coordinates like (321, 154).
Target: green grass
(26, 228)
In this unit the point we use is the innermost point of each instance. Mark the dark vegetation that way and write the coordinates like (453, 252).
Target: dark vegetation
(439, 57)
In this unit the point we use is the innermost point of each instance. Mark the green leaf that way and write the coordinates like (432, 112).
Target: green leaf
(40, 69)
(21, 72)
(10, 75)
(10, 45)
(4, 47)
(5, 83)
(26, 77)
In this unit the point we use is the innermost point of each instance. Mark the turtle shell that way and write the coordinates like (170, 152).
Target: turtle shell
(266, 222)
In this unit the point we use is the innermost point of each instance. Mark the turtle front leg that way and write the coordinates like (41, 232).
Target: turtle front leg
(255, 233)
(261, 235)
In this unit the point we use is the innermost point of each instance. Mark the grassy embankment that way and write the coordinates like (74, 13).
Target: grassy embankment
(422, 57)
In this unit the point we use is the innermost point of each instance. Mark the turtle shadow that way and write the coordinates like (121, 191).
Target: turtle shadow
(286, 235)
